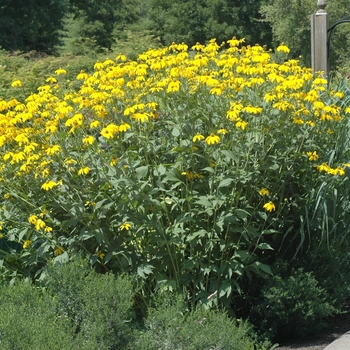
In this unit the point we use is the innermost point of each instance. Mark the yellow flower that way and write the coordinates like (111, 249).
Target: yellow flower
(312, 155)
(82, 76)
(1, 235)
(58, 251)
(212, 139)
(39, 224)
(33, 219)
(60, 71)
(101, 255)
(27, 244)
(124, 127)
(84, 170)
(222, 131)
(88, 140)
(121, 57)
(269, 206)
(252, 109)
(16, 83)
(264, 192)
(173, 86)
(283, 48)
(109, 131)
(141, 117)
(94, 124)
(48, 185)
(51, 80)
(52, 150)
(125, 226)
(241, 124)
(113, 162)
(198, 137)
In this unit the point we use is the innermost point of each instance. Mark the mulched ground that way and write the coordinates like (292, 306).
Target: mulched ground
(337, 326)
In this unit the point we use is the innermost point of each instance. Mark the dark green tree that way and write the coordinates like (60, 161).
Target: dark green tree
(99, 19)
(228, 18)
(192, 21)
(31, 24)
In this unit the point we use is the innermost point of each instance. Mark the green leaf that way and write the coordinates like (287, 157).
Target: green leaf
(265, 246)
(209, 169)
(203, 201)
(141, 172)
(63, 258)
(176, 131)
(161, 169)
(200, 233)
(225, 182)
(145, 270)
(108, 257)
(242, 214)
(22, 234)
(225, 289)
(269, 232)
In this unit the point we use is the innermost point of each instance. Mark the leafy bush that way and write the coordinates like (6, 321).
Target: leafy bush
(193, 169)
(79, 309)
(29, 320)
(292, 305)
(170, 326)
(98, 306)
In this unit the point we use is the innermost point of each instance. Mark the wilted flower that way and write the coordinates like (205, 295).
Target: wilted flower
(269, 206)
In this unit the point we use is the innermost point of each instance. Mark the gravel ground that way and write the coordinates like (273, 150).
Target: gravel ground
(338, 325)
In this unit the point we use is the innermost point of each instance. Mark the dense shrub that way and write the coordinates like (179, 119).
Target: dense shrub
(99, 306)
(170, 325)
(292, 304)
(75, 308)
(78, 309)
(29, 320)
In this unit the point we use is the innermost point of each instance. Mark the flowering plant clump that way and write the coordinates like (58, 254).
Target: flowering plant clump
(185, 166)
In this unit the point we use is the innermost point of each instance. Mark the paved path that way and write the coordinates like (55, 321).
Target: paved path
(342, 343)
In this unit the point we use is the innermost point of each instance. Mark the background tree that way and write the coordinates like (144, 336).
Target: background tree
(290, 22)
(31, 24)
(98, 21)
(191, 22)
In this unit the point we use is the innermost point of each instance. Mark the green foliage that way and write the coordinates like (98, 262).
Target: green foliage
(79, 309)
(292, 305)
(31, 25)
(187, 192)
(29, 320)
(98, 20)
(170, 326)
(191, 21)
(98, 306)
(134, 42)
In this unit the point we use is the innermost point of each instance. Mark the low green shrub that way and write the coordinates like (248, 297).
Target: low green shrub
(292, 305)
(331, 268)
(78, 309)
(98, 305)
(170, 325)
(29, 320)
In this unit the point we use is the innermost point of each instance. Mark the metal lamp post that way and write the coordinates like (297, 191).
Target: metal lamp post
(319, 39)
